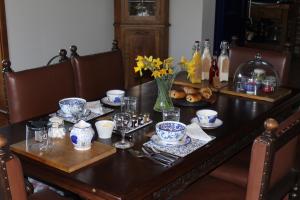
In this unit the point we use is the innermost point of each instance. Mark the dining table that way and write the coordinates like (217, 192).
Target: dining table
(124, 176)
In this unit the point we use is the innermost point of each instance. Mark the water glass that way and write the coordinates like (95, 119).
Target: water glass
(122, 123)
(37, 136)
(171, 114)
(129, 105)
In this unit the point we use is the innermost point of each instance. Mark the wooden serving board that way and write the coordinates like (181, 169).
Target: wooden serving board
(181, 79)
(63, 156)
(270, 97)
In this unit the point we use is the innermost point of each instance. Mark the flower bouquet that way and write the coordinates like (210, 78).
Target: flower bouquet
(163, 72)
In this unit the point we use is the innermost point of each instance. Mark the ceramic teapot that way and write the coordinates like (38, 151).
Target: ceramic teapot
(81, 135)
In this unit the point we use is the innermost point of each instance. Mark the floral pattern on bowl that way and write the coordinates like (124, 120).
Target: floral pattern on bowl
(170, 131)
(72, 105)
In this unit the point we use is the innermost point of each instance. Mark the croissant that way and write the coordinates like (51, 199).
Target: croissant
(192, 98)
(190, 90)
(175, 94)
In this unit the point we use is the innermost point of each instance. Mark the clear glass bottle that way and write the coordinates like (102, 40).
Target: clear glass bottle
(195, 76)
(223, 61)
(206, 60)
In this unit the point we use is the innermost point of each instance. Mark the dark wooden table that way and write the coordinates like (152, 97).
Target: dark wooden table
(122, 176)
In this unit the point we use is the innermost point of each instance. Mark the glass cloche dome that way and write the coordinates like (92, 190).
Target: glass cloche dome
(256, 77)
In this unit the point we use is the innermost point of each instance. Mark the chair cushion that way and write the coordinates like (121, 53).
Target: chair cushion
(236, 169)
(36, 92)
(95, 74)
(210, 188)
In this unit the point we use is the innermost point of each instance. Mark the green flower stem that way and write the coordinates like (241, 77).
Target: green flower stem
(163, 100)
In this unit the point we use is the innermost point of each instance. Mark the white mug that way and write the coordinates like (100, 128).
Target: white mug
(207, 116)
(104, 128)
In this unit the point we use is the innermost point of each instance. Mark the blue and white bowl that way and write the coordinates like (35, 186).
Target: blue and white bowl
(115, 96)
(170, 131)
(207, 116)
(70, 106)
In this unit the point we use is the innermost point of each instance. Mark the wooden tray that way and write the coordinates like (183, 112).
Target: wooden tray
(270, 97)
(181, 79)
(63, 156)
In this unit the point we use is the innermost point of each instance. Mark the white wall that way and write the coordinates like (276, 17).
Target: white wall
(190, 20)
(37, 29)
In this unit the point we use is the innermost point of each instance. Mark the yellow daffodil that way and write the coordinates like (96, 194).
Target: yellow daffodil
(157, 63)
(158, 67)
(156, 74)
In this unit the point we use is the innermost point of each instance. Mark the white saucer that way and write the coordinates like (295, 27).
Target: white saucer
(106, 101)
(158, 141)
(217, 123)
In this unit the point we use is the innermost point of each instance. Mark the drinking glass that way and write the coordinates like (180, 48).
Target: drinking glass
(122, 123)
(171, 114)
(37, 136)
(129, 105)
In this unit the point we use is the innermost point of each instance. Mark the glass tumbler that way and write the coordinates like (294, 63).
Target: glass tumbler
(37, 136)
(172, 114)
(129, 105)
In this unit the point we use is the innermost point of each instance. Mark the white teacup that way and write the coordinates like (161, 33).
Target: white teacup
(207, 116)
(115, 96)
(104, 128)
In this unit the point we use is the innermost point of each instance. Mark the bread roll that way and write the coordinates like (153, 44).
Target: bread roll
(192, 98)
(190, 90)
(205, 92)
(175, 94)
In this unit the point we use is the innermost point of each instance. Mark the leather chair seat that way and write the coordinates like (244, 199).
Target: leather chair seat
(46, 195)
(235, 170)
(210, 188)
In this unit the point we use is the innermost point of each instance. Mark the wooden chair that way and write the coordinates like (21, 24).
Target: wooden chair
(280, 60)
(12, 183)
(97, 73)
(36, 92)
(62, 57)
(271, 174)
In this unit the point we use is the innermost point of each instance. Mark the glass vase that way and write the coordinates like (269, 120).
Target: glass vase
(163, 100)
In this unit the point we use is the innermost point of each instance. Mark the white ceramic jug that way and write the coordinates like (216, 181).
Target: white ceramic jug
(81, 135)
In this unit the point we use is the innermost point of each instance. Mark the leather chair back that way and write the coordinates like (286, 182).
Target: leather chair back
(272, 158)
(95, 74)
(280, 60)
(36, 92)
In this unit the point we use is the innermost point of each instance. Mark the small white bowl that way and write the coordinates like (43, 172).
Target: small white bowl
(207, 116)
(170, 131)
(104, 128)
(115, 96)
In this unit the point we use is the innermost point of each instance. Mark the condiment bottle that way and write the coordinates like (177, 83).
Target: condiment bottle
(196, 74)
(223, 61)
(206, 60)
(214, 70)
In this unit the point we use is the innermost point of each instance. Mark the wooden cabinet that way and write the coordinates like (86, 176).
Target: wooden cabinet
(141, 28)
(272, 26)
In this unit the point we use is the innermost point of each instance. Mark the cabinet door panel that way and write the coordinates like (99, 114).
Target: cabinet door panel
(139, 42)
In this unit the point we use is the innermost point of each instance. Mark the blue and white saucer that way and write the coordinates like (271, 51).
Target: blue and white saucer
(106, 101)
(217, 123)
(60, 113)
(158, 141)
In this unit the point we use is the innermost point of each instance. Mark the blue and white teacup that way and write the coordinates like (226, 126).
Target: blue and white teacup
(207, 116)
(115, 96)
(170, 131)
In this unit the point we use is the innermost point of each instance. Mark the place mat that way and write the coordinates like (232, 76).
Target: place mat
(63, 156)
(91, 116)
(182, 150)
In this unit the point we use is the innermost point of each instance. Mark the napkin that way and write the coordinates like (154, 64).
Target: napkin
(94, 106)
(196, 132)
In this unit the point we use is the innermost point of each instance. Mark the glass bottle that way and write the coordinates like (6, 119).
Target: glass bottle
(196, 67)
(206, 60)
(223, 61)
(214, 70)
